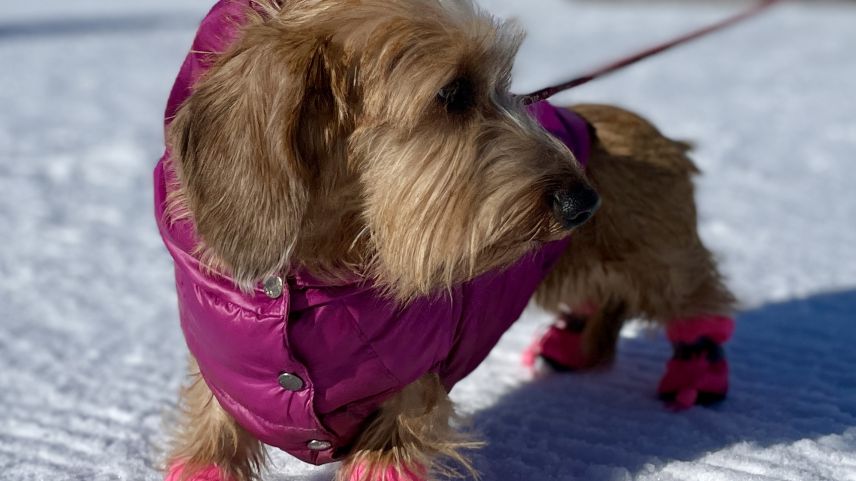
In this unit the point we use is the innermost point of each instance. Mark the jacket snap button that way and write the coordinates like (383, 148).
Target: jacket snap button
(317, 445)
(273, 287)
(290, 382)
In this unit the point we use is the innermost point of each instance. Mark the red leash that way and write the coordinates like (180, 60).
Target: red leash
(548, 92)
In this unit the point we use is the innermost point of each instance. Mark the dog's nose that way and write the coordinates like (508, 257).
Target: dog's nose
(574, 204)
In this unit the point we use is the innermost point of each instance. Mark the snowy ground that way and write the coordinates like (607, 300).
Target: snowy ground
(90, 350)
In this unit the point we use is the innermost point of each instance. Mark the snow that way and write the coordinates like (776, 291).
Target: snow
(90, 351)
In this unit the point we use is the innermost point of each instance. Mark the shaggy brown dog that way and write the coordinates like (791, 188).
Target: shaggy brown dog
(379, 137)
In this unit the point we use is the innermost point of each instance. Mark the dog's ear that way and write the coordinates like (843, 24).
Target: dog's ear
(240, 145)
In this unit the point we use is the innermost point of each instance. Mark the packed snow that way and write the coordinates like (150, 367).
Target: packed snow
(91, 355)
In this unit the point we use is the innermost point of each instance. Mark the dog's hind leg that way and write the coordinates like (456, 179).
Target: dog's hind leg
(208, 444)
(641, 257)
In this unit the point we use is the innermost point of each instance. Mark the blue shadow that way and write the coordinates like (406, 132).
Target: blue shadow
(793, 372)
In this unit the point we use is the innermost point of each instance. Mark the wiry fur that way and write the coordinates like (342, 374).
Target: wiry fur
(208, 435)
(317, 142)
(413, 430)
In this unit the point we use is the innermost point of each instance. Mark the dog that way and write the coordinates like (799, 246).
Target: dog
(358, 208)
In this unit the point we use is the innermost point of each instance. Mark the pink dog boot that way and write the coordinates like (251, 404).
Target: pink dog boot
(210, 473)
(698, 370)
(391, 473)
(561, 346)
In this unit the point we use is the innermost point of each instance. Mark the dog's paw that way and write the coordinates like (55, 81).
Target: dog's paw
(698, 370)
(561, 347)
(210, 473)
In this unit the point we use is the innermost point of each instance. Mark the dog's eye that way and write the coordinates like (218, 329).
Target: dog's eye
(457, 96)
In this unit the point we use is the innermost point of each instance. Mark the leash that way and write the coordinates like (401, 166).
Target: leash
(607, 69)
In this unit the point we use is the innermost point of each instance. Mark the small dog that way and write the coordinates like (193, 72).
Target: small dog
(358, 208)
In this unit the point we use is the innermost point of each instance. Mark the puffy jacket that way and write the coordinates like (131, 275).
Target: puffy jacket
(301, 364)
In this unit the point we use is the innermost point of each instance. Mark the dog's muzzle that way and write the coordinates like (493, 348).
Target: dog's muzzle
(574, 205)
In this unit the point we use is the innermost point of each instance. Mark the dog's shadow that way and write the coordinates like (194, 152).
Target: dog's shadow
(793, 368)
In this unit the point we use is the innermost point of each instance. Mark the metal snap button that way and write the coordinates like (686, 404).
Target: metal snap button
(290, 382)
(318, 445)
(273, 287)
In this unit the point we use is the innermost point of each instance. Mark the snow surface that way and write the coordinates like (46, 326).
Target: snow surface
(90, 351)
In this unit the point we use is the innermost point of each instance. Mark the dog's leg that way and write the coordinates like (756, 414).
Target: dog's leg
(698, 370)
(641, 256)
(209, 445)
(408, 436)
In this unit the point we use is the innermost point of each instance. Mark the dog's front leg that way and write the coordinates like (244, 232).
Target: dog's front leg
(407, 436)
(208, 444)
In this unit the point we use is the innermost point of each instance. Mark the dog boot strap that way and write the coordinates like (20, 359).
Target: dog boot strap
(717, 328)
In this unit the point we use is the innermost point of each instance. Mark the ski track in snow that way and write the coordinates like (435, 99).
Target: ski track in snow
(91, 355)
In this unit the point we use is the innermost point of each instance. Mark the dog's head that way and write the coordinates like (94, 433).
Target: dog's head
(376, 136)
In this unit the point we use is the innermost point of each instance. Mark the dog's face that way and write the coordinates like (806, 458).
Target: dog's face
(371, 135)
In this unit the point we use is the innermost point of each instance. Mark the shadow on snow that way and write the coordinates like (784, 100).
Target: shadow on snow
(793, 373)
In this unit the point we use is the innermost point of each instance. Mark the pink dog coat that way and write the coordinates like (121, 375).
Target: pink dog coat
(302, 367)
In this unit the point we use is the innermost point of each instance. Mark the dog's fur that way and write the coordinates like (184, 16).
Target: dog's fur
(318, 140)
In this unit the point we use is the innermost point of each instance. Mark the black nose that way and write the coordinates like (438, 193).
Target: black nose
(574, 204)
